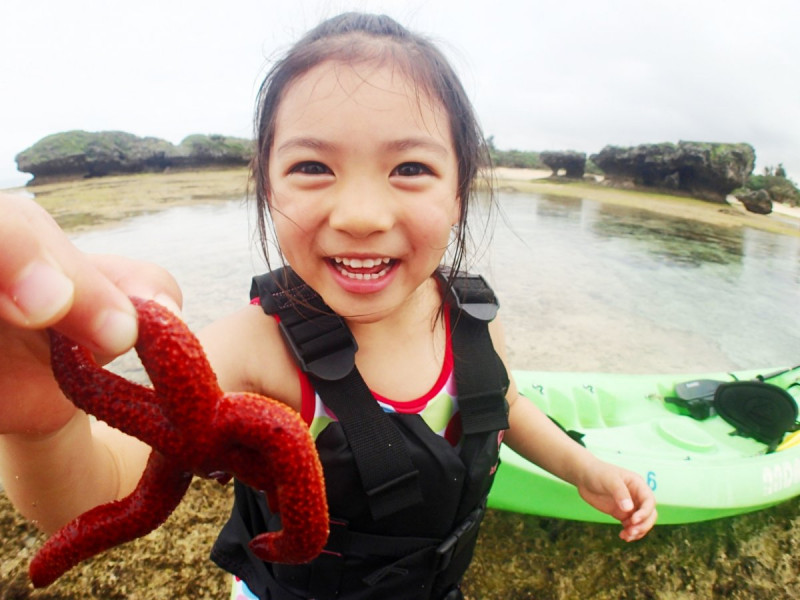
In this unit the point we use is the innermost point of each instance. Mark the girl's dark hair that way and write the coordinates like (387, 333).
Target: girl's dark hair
(355, 38)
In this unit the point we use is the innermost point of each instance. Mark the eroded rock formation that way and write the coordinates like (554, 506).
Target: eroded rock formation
(705, 170)
(756, 201)
(573, 163)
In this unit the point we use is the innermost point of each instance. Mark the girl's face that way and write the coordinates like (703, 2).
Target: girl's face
(363, 181)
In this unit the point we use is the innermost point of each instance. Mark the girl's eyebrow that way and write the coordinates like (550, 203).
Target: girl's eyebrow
(305, 142)
(393, 145)
(418, 142)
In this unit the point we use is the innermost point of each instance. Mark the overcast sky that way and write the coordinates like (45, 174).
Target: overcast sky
(543, 75)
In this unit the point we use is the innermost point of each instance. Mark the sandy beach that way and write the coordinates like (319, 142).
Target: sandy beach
(538, 180)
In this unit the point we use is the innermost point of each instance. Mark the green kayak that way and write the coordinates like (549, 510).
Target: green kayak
(699, 468)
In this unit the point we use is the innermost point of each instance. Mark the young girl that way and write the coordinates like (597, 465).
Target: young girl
(367, 152)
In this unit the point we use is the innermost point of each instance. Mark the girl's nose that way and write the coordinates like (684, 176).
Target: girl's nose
(361, 211)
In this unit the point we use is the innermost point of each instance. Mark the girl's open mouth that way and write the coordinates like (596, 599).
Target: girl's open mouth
(362, 268)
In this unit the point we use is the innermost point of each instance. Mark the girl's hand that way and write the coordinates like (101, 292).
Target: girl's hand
(623, 495)
(45, 281)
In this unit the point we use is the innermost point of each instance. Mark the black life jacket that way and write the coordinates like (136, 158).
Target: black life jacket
(405, 505)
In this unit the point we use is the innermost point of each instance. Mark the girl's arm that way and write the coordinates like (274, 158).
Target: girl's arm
(616, 491)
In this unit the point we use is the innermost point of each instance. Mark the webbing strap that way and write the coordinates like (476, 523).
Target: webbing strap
(481, 378)
(389, 477)
(325, 350)
(318, 337)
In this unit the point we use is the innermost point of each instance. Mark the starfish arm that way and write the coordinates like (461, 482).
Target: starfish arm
(123, 404)
(291, 475)
(159, 491)
(178, 367)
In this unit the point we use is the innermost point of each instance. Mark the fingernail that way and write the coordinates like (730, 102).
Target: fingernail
(41, 292)
(627, 504)
(115, 331)
(168, 303)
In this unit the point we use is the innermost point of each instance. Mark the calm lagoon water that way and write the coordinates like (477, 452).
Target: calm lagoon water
(583, 286)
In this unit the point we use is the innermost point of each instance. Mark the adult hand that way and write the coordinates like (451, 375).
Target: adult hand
(45, 281)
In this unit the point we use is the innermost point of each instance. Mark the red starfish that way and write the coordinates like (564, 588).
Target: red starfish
(193, 428)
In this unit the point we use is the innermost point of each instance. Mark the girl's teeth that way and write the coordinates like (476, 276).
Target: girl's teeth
(361, 276)
(344, 264)
(362, 263)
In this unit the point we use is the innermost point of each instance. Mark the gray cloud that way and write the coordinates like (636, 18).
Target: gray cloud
(543, 75)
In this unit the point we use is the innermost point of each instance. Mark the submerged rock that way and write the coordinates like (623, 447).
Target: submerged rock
(705, 170)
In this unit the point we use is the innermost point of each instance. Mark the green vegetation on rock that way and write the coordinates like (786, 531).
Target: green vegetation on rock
(780, 189)
(79, 154)
(217, 147)
(515, 159)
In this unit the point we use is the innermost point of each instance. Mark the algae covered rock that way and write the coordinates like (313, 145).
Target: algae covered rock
(703, 169)
(79, 154)
(212, 150)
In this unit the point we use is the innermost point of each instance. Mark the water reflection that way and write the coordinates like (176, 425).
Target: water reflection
(583, 285)
(593, 286)
(559, 208)
(682, 242)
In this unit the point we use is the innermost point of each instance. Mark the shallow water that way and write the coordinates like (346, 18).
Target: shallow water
(583, 285)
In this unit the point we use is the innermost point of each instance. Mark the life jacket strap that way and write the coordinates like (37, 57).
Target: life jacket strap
(324, 348)
(318, 338)
(471, 294)
(481, 378)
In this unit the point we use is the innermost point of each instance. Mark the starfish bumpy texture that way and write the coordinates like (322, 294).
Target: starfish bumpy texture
(193, 428)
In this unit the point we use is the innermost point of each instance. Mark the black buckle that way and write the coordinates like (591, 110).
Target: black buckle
(698, 408)
(471, 294)
(326, 348)
(319, 339)
(451, 545)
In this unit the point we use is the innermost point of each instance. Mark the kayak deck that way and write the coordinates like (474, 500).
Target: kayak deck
(698, 469)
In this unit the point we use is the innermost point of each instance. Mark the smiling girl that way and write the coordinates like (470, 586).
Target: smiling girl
(367, 152)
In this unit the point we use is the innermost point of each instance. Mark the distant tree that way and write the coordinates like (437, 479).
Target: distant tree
(780, 171)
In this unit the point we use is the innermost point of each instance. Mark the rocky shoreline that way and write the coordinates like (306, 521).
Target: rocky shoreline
(784, 219)
(81, 154)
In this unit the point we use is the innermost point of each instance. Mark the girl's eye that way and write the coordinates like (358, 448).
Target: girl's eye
(411, 169)
(310, 168)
